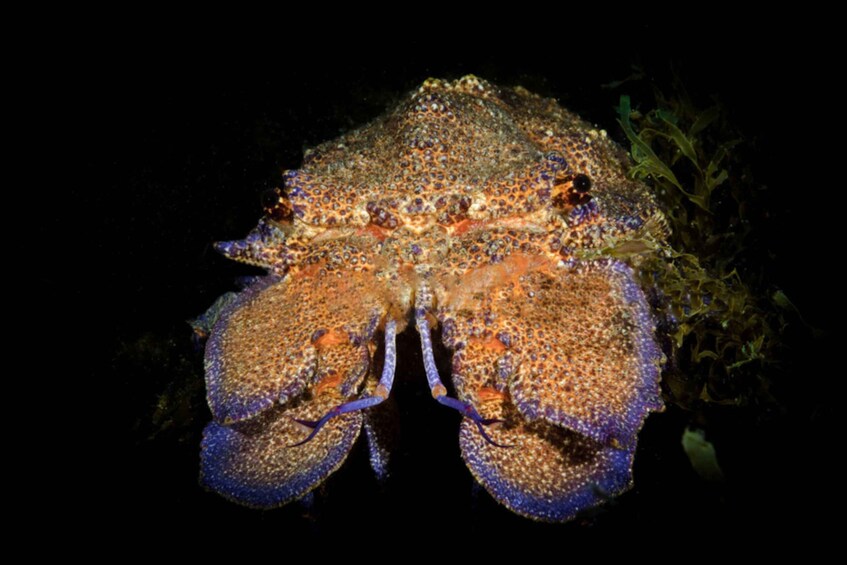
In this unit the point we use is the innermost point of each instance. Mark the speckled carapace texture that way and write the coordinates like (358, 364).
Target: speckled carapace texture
(496, 213)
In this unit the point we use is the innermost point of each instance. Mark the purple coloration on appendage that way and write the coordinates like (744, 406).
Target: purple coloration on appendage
(612, 475)
(390, 359)
(257, 248)
(231, 249)
(246, 468)
(647, 352)
(426, 347)
(468, 411)
(346, 408)
(378, 454)
(608, 429)
(370, 329)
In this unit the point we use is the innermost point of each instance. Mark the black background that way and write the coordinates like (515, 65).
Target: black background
(179, 139)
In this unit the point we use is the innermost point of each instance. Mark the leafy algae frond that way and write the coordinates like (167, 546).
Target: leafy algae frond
(719, 326)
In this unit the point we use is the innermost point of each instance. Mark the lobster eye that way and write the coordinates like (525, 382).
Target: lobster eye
(582, 183)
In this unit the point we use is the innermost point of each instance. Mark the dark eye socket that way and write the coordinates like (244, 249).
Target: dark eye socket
(582, 183)
(269, 198)
(276, 205)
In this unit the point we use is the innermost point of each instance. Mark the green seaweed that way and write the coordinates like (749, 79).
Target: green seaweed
(647, 163)
(722, 328)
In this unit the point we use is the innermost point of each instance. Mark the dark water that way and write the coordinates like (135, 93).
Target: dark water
(185, 143)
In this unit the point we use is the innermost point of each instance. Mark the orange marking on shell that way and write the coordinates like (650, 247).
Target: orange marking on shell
(489, 342)
(332, 337)
(308, 271)
(329, 382)
(464, 226)
(374, 231)
(489, 394)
